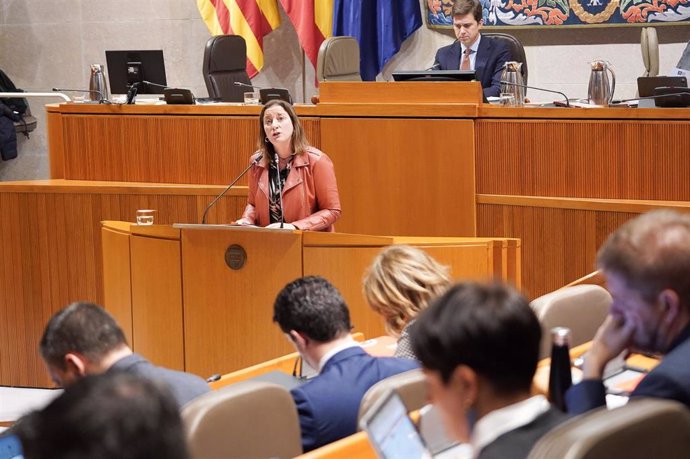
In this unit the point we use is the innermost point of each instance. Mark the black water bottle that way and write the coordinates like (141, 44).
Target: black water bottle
(560, 378)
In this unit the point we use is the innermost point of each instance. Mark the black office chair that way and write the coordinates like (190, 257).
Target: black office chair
(516, 49)
(225, 62)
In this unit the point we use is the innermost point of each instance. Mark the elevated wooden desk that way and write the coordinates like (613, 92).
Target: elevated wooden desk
(183, 307)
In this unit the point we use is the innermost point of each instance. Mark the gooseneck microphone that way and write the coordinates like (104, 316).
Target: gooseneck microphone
(101, 99)
(280, 191)
(212, 203)
(245, 85)
(510, 83)
(155, 84)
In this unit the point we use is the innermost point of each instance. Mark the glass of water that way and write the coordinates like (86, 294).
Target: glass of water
(251, 98)
(145, 217)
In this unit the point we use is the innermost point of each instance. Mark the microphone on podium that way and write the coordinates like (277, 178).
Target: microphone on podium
(510, 83)
(212, 203)
(101, 99)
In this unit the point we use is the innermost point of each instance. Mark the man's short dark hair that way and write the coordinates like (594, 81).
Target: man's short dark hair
(108, 416)
(652, 253)
(489, 328)
(84, 328)
(313, 306)
(463, 7)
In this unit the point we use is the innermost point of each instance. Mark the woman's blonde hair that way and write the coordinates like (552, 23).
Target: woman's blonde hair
(401, 282)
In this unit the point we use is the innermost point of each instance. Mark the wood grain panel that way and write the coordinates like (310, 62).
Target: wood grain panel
(50, 255)
(56, 144)
(157, 319)
(234, 309)
(399, 176)
(379, 92)
(117, 275)
(584, 159)
(558, 245)
(161, 149)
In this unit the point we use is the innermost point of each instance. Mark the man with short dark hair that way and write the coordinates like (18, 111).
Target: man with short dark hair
(471, 51)
(119, 416)
(647, 267)
(83, 339)
(314, 316)
(479, 348)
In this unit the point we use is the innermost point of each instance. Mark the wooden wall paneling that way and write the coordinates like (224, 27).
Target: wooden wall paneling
(399, 176)
(587, 159)
(157, 318)
(230, 327)
(558, 245)
(56, 144)
(117, 278)
(162, 149)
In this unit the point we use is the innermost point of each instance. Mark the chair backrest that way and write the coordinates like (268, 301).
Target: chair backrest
(410, 385)
(650, 51)
(247, 419)
(225, 62)
(582, 309)
(640, 429)
(338, 60)
(516, 49)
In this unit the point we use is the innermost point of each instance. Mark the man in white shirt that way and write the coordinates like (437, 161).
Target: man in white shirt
(479, 348)
(471, 51)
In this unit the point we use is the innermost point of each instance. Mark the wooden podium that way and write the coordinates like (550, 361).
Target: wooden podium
(200, 297)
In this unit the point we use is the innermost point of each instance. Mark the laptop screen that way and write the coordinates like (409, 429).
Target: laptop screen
(391, 430)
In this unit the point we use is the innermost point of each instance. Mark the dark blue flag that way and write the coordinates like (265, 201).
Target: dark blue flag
(380, 27)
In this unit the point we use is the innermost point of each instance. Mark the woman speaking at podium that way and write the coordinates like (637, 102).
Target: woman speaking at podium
(291, 184)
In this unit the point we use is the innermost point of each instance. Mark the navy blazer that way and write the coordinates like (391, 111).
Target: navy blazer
(328, 404)
(491, 55)
(669, 380)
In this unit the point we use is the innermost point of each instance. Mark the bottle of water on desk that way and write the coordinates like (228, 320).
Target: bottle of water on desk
(560, 378)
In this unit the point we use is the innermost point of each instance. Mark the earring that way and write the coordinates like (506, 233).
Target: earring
(266, 139)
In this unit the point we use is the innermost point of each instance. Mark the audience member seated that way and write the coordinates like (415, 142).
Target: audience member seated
(399, 284)
(83, 339)
(118, 416)
(479, 347)
(314, 316)
(471, 51)
(647, 267)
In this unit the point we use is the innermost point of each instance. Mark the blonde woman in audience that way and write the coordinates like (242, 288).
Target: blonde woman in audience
(399, 284)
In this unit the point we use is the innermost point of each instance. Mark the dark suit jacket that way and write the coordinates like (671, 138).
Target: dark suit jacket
(491, 55)
(670, 380)
(517, 443)
(184, 386)
(329, 403)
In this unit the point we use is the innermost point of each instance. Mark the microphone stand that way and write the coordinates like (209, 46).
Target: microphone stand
(212, 203)
(510, 83)
(101, 99)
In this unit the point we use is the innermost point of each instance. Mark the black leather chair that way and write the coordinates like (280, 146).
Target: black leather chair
(225, 62)
(516, 49)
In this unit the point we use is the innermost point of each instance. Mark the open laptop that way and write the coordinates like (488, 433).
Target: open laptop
(393, 434)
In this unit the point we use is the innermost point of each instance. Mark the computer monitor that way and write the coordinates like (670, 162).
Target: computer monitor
(128, 67)
(435, 75)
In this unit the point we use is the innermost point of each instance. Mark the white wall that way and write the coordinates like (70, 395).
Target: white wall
(50, 43)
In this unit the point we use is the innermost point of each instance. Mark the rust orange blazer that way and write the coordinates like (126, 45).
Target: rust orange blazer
(310, 195)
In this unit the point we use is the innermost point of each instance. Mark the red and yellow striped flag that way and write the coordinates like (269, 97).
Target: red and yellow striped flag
(252, 19)
(313, 21)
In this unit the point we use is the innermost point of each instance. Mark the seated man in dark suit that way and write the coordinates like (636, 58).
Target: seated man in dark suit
(647, 267)
(83, 339)
(479, 347)
(119, 416)
(471, 51)
(311, 312)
